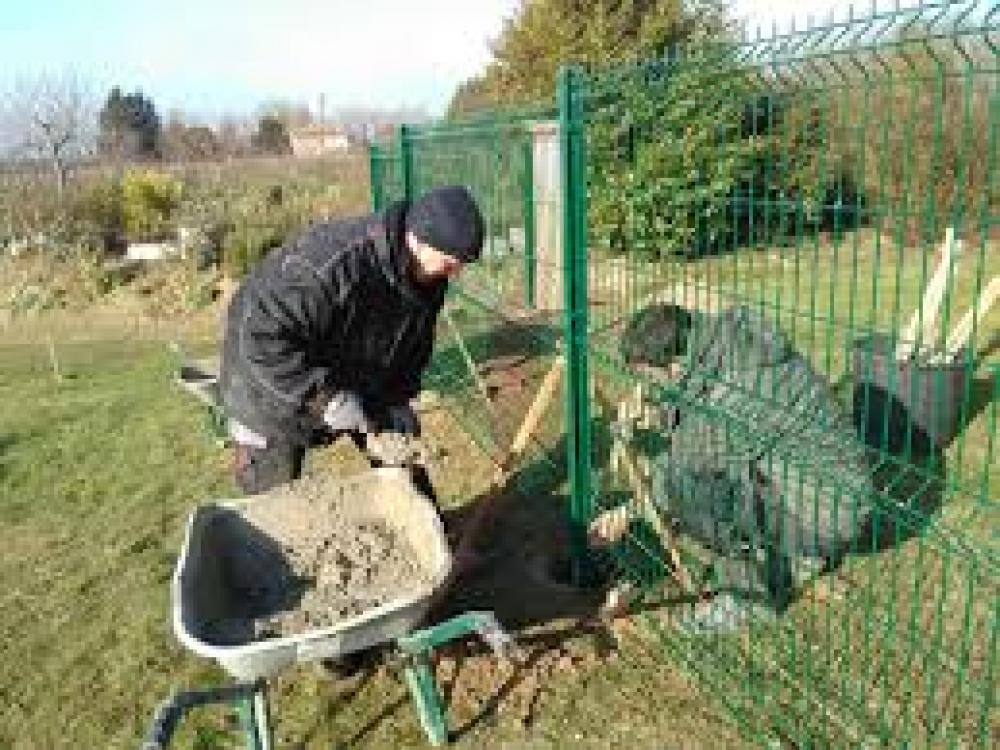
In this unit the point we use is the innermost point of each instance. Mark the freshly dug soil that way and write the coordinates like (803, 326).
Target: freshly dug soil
(307, 556)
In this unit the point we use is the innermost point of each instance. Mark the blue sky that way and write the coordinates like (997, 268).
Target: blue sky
(211, 57)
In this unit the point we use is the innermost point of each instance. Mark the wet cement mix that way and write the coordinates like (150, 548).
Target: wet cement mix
(307, 556)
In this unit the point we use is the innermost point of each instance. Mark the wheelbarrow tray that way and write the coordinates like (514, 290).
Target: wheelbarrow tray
(197, 585)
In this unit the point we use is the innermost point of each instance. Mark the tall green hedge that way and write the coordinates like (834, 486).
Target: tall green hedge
(695, 154)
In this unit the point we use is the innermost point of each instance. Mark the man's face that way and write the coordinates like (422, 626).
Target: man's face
(430, 264)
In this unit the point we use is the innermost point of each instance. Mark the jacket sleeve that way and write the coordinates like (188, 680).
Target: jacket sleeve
(408, 383)
(291, 308)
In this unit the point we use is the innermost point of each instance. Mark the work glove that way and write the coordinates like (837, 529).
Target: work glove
(402, 419)
(345, 412)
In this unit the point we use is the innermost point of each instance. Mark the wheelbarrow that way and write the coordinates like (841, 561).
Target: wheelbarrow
(199, 596)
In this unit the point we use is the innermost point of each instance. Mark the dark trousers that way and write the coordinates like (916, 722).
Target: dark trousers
(258, 470)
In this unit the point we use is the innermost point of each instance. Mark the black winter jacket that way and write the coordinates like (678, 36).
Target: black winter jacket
(333, 309)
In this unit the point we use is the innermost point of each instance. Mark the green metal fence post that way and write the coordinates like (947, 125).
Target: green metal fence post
(574, 217)
(376, 177)
(747, 199)
(406, 160)
(528, 198)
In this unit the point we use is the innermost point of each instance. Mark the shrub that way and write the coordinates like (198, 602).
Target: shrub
(98, 219)
(40, 281)
(691, 156)
(149, 200)
(250, 240)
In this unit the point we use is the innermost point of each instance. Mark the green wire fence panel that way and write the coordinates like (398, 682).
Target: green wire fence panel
(386, 176)
(488, 368)
(495, 342)
(492, 161)
(797, 412)
(770, 266)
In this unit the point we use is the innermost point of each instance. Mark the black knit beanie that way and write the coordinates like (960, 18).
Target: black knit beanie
(448, 219)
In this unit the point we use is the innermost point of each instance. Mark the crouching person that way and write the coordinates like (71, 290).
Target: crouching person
(759, 465)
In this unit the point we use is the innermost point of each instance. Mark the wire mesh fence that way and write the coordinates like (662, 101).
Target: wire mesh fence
(496, 342)
(774, 263)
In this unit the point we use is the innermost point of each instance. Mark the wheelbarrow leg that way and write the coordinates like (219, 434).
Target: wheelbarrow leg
(427, 701)
(418, 648)
(255, 717)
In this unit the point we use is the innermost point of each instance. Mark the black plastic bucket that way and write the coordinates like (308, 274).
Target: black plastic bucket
(917, 400)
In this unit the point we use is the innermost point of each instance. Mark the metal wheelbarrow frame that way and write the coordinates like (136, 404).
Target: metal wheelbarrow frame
(393, 498)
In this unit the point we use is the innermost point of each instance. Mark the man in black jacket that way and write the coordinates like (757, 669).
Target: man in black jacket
(330, 334)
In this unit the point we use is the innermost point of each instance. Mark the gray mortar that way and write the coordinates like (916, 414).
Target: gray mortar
(307, 556)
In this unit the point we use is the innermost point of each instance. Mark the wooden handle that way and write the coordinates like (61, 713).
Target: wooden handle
(528, 426)
(962, 333)
(536, 410)
(923, 323)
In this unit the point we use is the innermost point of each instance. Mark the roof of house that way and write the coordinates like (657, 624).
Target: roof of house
(316, 130)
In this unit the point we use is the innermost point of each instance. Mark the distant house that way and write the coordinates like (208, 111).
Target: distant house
(380, 133)
(316, 140)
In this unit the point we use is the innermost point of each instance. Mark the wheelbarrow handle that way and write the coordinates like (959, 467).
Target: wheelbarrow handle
(169, 713)
(165, 720)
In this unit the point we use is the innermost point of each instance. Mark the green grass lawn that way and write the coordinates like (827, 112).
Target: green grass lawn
(97, 475)
(99, 471)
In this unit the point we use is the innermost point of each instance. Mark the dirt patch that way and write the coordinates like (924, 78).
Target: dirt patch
(518, 548)
(558, 627)
(308, 556)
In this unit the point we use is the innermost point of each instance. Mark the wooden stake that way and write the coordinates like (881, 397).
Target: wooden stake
(623, 457)
(53, 358)
(962, 333)
(634, 478)
(922, 327)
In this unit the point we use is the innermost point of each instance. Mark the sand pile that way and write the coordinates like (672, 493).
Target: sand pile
(307, 556)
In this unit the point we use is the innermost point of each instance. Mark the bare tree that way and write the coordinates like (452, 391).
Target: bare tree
(292, 114)
(185, 140)
(233, 132)
(50, 118)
